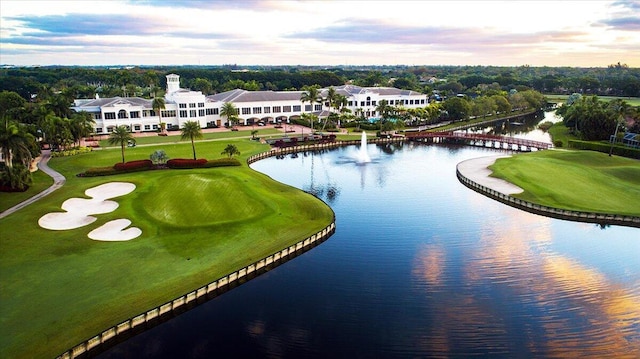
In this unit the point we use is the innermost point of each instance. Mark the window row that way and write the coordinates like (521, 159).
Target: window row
(391, 102)
(191, 105)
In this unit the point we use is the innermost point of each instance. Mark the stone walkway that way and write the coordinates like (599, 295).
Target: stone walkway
(476, 169)
(58, 181)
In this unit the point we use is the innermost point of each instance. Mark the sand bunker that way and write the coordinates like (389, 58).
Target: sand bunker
(89, 206)
(110, 190)
(79, 210)
(476, 169)
(60, 221)
(115, 231)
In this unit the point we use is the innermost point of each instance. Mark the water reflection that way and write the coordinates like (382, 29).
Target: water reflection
(525, 127)
(421, 266)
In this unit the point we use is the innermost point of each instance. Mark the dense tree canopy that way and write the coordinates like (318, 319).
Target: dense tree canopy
(590, 118)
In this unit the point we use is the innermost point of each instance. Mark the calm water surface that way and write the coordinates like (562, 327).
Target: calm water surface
(420, 266)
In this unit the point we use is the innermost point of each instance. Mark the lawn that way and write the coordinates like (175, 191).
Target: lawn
(174, 136)
(40, 182)
(58, 288)
(576, 180)
(633, 101)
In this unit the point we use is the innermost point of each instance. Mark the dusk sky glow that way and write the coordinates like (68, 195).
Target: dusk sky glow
(251, 32)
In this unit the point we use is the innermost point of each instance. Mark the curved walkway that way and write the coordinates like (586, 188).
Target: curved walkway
(58, 181)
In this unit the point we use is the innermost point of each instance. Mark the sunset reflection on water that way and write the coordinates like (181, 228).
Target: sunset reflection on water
(573, 309)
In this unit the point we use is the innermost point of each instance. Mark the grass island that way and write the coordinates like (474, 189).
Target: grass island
(574, 180)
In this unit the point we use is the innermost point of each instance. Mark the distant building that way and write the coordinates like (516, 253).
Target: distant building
(183, 105)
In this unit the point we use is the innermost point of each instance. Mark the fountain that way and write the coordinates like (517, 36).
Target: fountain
(363, 155)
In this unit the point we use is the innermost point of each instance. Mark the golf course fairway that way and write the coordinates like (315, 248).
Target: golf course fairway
(58, 288)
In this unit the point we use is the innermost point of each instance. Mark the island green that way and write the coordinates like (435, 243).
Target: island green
(576, 180)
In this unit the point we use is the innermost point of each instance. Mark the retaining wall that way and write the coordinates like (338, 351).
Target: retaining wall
(590, 217)
(316, 147)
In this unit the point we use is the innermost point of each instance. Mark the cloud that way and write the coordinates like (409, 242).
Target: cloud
(626, 4)
(88, 24)
(91, 29)
(252, 5)
(630, 23)
(380, 32)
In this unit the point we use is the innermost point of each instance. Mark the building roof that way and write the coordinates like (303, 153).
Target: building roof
(239, 96)
(351, 90)
(112, 101)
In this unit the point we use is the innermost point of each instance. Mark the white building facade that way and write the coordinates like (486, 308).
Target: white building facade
(183, 105)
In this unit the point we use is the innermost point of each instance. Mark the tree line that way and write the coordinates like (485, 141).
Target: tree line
(86, 82)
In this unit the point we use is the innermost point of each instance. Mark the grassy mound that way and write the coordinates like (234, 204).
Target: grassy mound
(576, 180)
(202, 199)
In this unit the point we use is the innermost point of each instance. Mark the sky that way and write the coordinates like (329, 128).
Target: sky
(251, 32)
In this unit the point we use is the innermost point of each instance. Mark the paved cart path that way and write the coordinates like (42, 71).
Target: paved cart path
(58, 181)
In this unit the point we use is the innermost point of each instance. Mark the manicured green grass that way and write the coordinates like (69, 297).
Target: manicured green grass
(633, 101)
(576, 180)
(59, 287)
(40, 182)
(174, 136)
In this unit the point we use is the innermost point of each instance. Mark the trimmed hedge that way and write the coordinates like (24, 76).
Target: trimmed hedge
(186, 163)
(99, 171)
(133, 165)
(605, 148)
(143, 165)
(222, 162)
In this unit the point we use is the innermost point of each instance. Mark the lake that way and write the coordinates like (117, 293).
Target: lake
(419, 266)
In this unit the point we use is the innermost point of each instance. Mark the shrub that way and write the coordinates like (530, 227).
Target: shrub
(605, 148)
(71, 151)
(557, 143)
(545, 126)
(133, 165)
(186, 163)
(99, 171)
(222, 162)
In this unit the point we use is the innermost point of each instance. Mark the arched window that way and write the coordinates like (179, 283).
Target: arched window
(122, 114)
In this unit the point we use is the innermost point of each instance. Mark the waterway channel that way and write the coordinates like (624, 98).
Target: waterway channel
(419, 266)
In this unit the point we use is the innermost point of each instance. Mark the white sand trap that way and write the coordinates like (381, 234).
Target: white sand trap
(89, 206)
(110, 190)
(476, 169)
(115, 231)
(59, 221)
(79, 209)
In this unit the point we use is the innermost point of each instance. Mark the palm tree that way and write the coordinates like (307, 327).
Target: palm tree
(312, 96)
(331, 99)
(191, 130)
(229, 111)
(158, 105)
(230, 150)
(15, 143)
(81, 124)
(121, 136)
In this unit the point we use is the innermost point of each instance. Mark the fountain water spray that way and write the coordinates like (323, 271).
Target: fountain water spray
(363, 155)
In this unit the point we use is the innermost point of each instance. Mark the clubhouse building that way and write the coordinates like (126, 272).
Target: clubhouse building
(253, 107)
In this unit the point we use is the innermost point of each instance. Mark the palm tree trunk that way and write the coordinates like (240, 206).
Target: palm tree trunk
(122, 149)
(193, 147)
